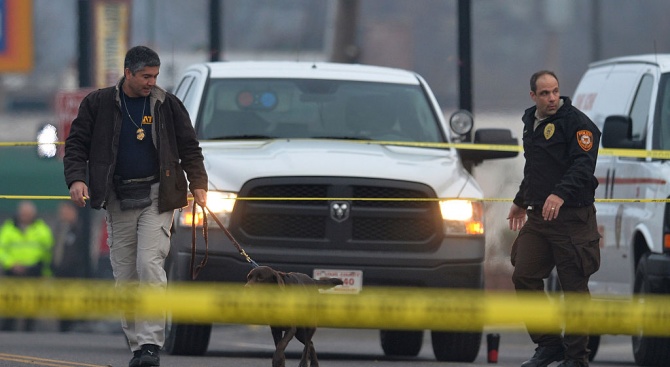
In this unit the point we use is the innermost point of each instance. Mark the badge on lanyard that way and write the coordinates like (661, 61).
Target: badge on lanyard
(549, 131)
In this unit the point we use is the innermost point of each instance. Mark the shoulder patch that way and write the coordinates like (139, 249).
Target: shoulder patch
(585, 139)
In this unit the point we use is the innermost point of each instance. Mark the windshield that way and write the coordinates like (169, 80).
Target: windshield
(306, 108)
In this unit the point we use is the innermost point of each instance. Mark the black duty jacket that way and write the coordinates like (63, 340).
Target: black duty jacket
(93, 142)
(560, 157)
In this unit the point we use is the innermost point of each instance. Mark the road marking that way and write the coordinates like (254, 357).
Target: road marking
(36, 361)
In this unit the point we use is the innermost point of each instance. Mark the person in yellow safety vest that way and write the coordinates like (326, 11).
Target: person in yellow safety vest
(25, 249)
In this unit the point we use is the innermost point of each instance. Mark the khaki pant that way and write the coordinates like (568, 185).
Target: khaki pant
(139, 242)
(570, 243)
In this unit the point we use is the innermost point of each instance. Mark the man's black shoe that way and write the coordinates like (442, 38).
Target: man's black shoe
(545, 355)
(150, 356)
(135, 361)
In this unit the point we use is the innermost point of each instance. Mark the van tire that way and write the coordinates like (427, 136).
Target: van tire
(401, 343)
(648, 351)
(456, 347)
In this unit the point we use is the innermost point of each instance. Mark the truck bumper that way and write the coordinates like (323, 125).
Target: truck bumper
(458, 263)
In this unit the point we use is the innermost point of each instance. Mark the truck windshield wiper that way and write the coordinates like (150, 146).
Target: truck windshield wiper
(243, 137)
(342, 137)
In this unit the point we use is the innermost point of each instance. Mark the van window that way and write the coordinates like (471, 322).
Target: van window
(662, 124)
(639, 112)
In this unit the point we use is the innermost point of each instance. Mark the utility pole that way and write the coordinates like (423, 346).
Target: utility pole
(465, 57)
(345, 48)
(215, 39)
(84, 38)
(84, 62)
(595, 30)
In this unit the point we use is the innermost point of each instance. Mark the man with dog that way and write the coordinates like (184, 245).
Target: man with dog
(554, 212)
(127, 152)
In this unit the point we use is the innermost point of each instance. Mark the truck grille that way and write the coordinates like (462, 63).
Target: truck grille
(298, 222)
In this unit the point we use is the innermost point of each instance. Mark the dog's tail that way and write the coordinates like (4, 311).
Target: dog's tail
(326, 283)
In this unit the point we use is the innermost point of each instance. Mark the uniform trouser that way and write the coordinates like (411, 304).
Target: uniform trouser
(139, 242)
(571, 244)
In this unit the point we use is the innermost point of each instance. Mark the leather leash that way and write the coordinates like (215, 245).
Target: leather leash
(195, 270)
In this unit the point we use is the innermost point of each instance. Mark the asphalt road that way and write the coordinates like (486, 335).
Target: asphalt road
(247, 346)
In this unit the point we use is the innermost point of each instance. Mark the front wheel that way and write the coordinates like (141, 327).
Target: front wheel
(456, 347)
(184, 339)
(648, 351)
(594, 343)
(401, 343)
(187, 339)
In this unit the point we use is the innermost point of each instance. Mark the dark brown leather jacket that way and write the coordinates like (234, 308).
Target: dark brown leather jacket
(92, 145)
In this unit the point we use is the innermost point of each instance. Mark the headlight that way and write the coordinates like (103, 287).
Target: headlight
(47, 137)
(220, 203)
(462, 217)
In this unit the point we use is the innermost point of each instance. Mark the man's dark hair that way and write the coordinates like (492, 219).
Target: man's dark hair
(139, 57)
(536, 76)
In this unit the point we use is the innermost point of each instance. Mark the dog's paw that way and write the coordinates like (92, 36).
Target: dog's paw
(279, 360)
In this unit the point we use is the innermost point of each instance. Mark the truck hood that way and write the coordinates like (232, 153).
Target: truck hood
(230, 164)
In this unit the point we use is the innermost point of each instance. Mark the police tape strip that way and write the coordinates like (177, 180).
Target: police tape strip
(630, 153)
(375, 307)
(493, 200)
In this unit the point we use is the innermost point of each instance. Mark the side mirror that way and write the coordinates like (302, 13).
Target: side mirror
(618, 133)
(492, 137)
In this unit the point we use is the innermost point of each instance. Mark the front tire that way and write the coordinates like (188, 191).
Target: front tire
(187, 339)
(184, 339)
(594, 343)
(456, 347)
(401, 343)
(648, 351)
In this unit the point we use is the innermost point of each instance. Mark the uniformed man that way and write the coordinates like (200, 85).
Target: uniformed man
(553, 210)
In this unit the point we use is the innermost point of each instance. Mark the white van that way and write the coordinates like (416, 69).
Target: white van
(629, 99)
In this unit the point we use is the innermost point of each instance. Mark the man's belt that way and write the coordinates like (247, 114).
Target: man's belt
(150, 179)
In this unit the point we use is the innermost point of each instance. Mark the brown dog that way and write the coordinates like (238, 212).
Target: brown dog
(282, 334)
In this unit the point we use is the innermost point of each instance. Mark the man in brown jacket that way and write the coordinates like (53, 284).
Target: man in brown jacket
(127, 152)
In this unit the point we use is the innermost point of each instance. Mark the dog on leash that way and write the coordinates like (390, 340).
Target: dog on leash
(283, 334)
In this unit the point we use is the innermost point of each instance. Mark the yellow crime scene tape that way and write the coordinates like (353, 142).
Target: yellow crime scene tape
(260, 198)
(387, 308)
(631, 153)
(375, 307)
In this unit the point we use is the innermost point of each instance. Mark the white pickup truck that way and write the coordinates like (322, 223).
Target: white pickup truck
(629, 99)
(327, 138)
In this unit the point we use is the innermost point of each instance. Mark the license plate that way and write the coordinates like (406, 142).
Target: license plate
(353, 280)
